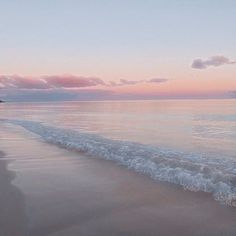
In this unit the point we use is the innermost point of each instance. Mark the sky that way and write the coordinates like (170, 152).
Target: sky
(117, 49)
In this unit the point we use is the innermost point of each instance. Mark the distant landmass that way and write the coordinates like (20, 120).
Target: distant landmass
(1, 101)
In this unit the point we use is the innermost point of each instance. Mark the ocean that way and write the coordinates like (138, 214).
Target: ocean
(189, 143)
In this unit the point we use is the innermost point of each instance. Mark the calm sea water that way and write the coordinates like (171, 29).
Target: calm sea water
(187, 142)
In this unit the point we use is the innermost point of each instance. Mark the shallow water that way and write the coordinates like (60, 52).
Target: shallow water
(191, 143)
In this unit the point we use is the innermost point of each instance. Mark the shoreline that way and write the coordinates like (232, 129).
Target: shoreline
(65, 193)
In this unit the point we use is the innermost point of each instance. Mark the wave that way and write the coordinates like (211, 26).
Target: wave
(193, 172)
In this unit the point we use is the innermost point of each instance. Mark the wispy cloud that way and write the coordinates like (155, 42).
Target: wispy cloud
(213, 61)
(123, 82)
(130, 82)
(64, 82)
(157, 80)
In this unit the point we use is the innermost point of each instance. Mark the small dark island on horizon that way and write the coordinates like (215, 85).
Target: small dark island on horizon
(1, 101)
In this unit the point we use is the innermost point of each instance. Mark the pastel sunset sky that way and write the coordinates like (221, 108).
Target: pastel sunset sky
(117, 49)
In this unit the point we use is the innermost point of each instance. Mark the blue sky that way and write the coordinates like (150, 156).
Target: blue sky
(114, 40)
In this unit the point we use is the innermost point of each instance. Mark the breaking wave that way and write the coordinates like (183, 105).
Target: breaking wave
(193, 172)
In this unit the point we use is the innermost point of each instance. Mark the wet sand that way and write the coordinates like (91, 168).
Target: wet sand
(61, 193)
(12, 206)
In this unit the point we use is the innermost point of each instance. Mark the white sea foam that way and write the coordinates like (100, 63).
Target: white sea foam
(193, 172)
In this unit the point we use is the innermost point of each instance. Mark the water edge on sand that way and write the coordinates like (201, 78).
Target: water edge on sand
(65, 193)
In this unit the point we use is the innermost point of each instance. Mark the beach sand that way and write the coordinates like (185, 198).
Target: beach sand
(46, 190)
(12, 207)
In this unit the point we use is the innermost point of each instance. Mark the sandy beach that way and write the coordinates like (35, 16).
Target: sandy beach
(46, 190)
(12, 206)
(117, 118)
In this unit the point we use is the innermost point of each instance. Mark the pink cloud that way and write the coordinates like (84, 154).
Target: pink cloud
(20, 82)
(69, 81)
(130, 82)
(133, 82)
(48, 82)
(123, 82)
(64, 82)
(157, 80)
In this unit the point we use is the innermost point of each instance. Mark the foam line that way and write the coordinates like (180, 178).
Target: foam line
(193, 172)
